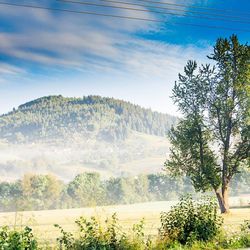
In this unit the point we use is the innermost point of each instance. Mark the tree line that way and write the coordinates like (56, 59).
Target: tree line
(38, 192)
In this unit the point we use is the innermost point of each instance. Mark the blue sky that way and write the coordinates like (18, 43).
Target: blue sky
(46, 53)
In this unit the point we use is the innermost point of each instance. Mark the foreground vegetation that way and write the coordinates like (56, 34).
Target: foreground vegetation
(180, 228)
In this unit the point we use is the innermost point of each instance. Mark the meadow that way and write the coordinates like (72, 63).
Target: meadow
(42, 222)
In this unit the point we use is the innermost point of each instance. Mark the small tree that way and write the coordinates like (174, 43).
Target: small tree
(212, 140)
(86, 189)
(190, 221)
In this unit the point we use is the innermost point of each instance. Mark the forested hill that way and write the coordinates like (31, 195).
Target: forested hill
(57, 117)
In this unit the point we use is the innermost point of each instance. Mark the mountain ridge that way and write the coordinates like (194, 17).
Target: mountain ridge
(61, 117)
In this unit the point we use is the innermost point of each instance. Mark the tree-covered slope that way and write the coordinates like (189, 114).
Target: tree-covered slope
(59, 118)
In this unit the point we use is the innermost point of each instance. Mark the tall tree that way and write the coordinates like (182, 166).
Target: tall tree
(212, 140)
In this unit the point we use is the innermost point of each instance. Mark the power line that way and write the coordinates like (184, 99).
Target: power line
(149, 11)
(193, 7)
(175, 9)
(121, 17)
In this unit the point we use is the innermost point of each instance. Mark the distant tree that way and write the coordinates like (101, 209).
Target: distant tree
(127, 190)
(19, 137)
(163, 187)
(212, 140)
(114, 191)
(240, 183)
(40, 191)
(10, 195)
(86, 190)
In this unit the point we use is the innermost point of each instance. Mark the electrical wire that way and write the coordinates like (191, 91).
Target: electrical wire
(120, 16)
(193, 7)
(148, 11)
(175, 9)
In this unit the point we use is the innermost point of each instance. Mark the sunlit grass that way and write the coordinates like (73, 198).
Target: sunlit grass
(43, 222)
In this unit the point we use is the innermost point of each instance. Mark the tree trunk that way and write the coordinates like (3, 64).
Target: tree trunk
(223, 201)
(225, 192)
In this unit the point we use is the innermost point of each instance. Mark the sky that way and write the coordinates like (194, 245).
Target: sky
(46, 52)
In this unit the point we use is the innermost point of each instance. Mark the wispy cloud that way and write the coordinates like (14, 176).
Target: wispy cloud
(37, 42)
(82, 42)
(10, 69)
(69, 40)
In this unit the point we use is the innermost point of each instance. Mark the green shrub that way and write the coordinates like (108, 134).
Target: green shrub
(66, 240)
(197, 245)
(191, 221)
(17, 240)
(94, 235)
(245, 227)
(237, 240)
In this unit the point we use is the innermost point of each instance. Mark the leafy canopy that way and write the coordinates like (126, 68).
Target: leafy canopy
(212, 140)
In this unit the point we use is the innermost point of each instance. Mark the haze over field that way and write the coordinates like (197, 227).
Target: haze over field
(67, 136)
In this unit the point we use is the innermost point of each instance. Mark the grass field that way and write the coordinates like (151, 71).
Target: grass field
(43, 222)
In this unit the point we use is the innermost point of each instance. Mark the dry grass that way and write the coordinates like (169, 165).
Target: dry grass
(235, 218)
(42, 221)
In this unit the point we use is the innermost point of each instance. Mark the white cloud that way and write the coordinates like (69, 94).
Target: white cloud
(60, 41)
(71, 40)
(68, 44)
(10, 69)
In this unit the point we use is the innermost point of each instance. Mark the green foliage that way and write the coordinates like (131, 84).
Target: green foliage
(189, 226)
(17, 240)
(240, 183)
(187, 158)
(126, 190)
(163, 187)
(66, 240)
(55, 117)
(236, 240)
(215, 104)
(36, 192)
(39, 192)
(86, 190)
(191, 233)
(94, 235)
(191, 221)
(245, 227)
(10, 194)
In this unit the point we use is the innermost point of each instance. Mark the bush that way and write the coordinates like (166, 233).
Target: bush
(245, 227)
(94, 236)
(107, 237)
(237, 240)
(17, 240)
(191, 221)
